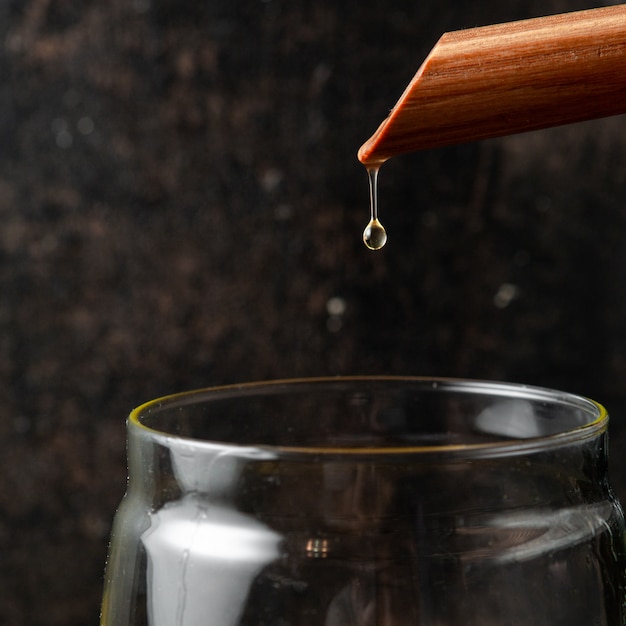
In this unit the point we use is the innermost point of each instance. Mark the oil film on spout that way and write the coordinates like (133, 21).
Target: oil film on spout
(367, 501)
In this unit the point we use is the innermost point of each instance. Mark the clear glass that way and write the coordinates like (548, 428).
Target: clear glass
(367, 502)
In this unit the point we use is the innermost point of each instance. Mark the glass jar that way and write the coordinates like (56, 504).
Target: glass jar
(367, 502)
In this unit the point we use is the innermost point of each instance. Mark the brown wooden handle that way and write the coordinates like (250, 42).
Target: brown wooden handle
(509, 78)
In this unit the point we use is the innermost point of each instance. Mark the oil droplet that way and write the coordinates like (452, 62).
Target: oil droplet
(374, 235)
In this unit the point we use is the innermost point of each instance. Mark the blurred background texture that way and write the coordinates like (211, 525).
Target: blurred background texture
(181, 206)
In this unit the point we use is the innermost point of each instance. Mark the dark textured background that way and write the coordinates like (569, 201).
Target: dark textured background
(180, 200)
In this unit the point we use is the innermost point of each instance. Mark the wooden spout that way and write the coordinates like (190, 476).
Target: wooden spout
(509, 78)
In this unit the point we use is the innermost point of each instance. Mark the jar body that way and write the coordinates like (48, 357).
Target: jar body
(383, 502)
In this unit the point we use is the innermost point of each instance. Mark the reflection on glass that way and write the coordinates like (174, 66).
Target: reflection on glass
(367, 502)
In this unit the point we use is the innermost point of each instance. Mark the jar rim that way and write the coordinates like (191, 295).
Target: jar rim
(506, 446)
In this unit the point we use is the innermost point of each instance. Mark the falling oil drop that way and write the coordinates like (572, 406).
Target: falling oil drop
(374, 235)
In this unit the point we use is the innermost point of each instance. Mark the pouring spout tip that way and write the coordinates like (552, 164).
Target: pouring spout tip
(368, 156)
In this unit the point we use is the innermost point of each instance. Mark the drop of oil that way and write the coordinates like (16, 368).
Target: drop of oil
(374, 235)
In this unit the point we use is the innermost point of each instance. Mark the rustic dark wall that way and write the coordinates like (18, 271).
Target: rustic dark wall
(180, 200)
